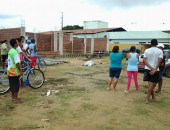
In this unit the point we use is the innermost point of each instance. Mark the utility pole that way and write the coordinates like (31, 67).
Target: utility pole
(61, 36)
(61, 20)
(22, 27)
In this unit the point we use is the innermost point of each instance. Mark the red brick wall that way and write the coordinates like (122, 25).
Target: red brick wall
(7, 34)
(30, 35)
(66, 43)
(45, 42)
(100, 44)
(88, 49)
(78, 45)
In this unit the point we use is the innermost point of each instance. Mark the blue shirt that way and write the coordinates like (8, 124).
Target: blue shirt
(116, 60)
(132, 62)
(32, 49)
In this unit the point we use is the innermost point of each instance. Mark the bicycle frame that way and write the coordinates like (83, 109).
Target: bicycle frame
(28, 69)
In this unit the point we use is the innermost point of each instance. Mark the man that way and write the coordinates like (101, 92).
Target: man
(152, 59)
(20, 50)
(4, 52)
(26, 47)
(14, 70)
(161, 69)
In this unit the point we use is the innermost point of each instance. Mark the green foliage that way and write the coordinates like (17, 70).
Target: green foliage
(72, 27)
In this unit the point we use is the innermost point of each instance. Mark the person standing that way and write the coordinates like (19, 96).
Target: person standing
(14, 70)
(132, 68)
(33, 53)
(4, 52)
(152, 59)
(20, 42)
(161, 69)
(115, 67)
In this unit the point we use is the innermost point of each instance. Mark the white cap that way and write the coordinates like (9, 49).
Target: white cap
(160, 45)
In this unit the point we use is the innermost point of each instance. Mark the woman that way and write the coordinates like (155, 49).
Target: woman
(132, 68)
(115, 67)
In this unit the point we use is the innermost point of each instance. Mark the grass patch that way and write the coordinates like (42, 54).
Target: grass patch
(55, 114)
(66, 97)
(140, 110)
(6, 108)
(88, 107)
(101, 84)
(162, 103)
(28, 127)
(31, 99)
(57, 81)
(83, 110)
(106, 128)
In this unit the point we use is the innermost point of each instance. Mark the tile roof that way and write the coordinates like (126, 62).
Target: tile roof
(89, 31)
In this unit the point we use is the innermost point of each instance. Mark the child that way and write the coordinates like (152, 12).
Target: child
(14, 70)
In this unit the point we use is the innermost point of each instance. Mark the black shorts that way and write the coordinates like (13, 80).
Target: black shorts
(14, 83)
(4, 57)
(151, 78)
(115, 72)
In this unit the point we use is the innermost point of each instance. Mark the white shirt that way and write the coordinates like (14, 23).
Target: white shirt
(152, 55)
(19, 49)
(25, 46)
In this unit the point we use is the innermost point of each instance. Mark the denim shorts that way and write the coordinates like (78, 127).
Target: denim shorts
(115, 72)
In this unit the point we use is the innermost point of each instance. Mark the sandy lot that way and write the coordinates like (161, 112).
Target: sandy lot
(79, 101)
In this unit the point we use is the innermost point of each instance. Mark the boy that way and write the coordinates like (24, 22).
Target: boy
(14, 70)
(33, 53)
(4, 52)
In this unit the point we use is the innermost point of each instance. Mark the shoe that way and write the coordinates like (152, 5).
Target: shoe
(126, 91)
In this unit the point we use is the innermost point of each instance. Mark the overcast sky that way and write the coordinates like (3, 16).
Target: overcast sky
(43, 15)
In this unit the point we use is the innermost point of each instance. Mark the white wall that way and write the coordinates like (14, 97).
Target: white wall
(131, 37)
(95, 24)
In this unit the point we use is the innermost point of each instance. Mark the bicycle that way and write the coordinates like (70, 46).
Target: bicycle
(4, 82)
(41, 64)
(34, 77)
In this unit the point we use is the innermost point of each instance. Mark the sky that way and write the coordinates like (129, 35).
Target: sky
(45, 15)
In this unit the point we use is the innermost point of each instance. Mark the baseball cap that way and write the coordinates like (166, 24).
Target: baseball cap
(160, 45)
(28, 41)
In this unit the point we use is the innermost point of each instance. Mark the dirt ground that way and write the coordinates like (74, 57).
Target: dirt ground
(79, 101)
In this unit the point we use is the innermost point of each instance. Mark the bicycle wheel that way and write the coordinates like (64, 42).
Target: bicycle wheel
(4, 82)
(35, 78)
(42, 65)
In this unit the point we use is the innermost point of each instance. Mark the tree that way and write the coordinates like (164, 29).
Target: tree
(72, 27)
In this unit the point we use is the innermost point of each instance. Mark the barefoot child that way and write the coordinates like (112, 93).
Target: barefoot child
(14, 70)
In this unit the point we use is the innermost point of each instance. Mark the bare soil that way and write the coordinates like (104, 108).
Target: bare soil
(79, 101)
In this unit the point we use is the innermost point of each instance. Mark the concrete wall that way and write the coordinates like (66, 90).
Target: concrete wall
(137, 37)
(95, 24)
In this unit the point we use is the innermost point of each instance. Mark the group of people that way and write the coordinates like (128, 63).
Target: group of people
(16, 53)
(154, 66)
